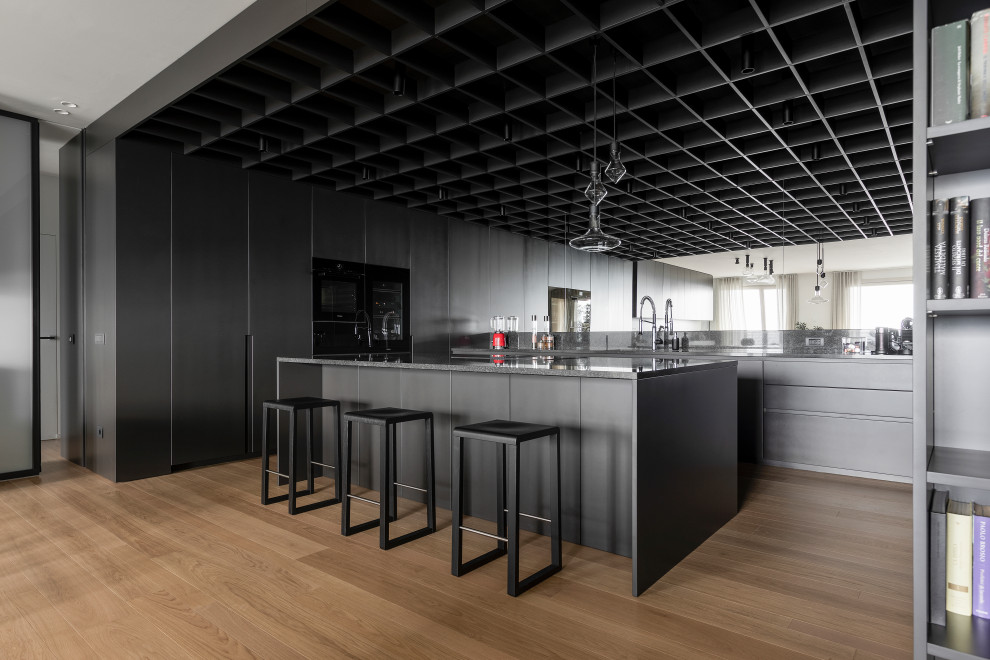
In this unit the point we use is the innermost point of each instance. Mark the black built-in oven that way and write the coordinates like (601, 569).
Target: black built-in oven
(359, 308)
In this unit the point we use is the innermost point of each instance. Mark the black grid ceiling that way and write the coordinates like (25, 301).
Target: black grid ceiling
(711, 165)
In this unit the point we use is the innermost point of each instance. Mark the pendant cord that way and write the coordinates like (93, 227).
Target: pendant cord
(594, 105)
(615, 135)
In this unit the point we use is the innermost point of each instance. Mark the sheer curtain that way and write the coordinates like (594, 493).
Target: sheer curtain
(845, 294)
(728, 294)
(787, 301)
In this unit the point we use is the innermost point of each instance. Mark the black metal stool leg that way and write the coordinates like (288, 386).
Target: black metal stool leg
(556, 523)
(512, 474)
(292, 463)
(500, 512)
(386, 486)
(265, 463)
(338, 456)
(344, 472)
(309, 453)
(393, 496)
(431, 498)
(457, 504)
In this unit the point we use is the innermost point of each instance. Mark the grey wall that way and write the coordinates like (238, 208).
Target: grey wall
(690, 291)
(71, 299)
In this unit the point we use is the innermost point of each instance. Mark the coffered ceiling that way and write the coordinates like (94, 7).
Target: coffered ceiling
(494, 122)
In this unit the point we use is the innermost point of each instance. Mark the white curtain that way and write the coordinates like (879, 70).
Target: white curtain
(728, 296)
(787, 301)
(844, 290)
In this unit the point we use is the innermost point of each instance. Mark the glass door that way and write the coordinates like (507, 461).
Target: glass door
(20, 445)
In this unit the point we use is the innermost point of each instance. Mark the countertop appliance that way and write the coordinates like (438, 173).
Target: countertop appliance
(887, 341)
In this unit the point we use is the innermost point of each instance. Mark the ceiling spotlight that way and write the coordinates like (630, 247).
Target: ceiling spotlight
(842, 189)
(748, 63)
(61, 111)
(507, 131)
(69, 104)
(788, 111)
(816, 151)
(365, 172)
(399, 83)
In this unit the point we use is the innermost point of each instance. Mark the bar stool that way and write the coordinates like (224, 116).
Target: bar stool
(387, 419)
(292, 406)
(507, 436)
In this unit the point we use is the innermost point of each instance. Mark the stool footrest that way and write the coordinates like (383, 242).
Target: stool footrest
(480, 560)
(324, 465)
(284, 476)
(422, 490)
(526, 515)
(364, 499)
(481, 533)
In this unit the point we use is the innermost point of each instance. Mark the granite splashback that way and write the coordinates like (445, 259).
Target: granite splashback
(785, 341)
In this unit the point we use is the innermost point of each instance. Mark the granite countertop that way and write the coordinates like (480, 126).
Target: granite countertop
(593, 366)
(701, 352)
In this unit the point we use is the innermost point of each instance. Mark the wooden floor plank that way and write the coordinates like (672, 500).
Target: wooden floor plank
(191, 565)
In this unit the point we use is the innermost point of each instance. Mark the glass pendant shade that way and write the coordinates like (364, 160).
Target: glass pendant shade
(615, 170)
(595, 192)
(594, 240)
(817, 297)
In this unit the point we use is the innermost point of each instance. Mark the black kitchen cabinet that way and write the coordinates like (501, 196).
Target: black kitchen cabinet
(280, 282)
(339, 226)
(209, 311)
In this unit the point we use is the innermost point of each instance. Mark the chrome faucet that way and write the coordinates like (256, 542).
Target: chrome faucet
(367, 325)
(652, 322)
(385, 332)
(668, 321)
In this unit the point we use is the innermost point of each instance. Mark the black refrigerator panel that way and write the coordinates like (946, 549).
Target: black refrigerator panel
(280, 283)
(388, 302)
(210, 328)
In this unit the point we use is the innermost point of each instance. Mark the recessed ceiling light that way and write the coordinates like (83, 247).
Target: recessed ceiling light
(69, 104)
(61, 111)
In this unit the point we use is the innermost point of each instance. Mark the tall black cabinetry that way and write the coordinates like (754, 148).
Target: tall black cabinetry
(210, 323)
(280, 300)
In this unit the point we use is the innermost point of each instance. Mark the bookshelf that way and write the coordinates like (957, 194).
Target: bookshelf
(951, 364)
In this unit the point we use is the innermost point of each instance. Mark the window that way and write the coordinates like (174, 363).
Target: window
(760, 308)
(885, 304)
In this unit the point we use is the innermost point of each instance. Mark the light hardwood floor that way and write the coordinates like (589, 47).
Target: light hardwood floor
(191, 565)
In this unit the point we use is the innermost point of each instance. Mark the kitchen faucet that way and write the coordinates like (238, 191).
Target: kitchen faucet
(668, 322)
(385, 327)
(653, 322)
(367, 325)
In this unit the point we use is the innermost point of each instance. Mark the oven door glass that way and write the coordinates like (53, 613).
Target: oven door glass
(338, 300)
(388, 314)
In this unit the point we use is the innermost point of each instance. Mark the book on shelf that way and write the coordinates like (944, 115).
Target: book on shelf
(940, 249)
(981, 561)
(958, 247)
(979, 64)
(950, 73)
(959, 558)
(979, 246)
(936, 557)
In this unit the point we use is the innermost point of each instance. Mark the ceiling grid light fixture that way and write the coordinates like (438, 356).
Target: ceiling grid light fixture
(615, 170)
(594, 240)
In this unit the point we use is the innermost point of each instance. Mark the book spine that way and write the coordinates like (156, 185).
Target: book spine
(981, 567)
(950, 73)
(959, 247)
(979, 64)
(959, 564)
(979, 246)
(936, 571)
(940, 249)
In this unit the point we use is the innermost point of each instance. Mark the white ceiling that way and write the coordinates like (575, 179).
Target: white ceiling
(94, 53)
(863, 254)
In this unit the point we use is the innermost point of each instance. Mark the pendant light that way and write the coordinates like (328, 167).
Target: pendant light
(817, 298)
(594, 240)
(595, 192)
(747, 270)
(615, 170)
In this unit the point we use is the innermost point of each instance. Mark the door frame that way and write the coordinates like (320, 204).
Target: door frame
(36, 304)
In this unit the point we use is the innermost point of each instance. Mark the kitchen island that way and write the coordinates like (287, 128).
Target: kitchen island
(648, 445)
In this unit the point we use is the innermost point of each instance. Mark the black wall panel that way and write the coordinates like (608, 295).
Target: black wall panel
(209, 310)
(281, 283)
(338, 225)
(143, 313)
(70, 301)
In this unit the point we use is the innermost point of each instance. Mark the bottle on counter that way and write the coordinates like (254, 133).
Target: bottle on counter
(675, 343)
(549, 335)
(684, 341)
(536, 339)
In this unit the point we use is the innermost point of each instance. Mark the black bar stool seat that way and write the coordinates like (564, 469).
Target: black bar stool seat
(508, 436)
(292, 406)
(387, 419)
